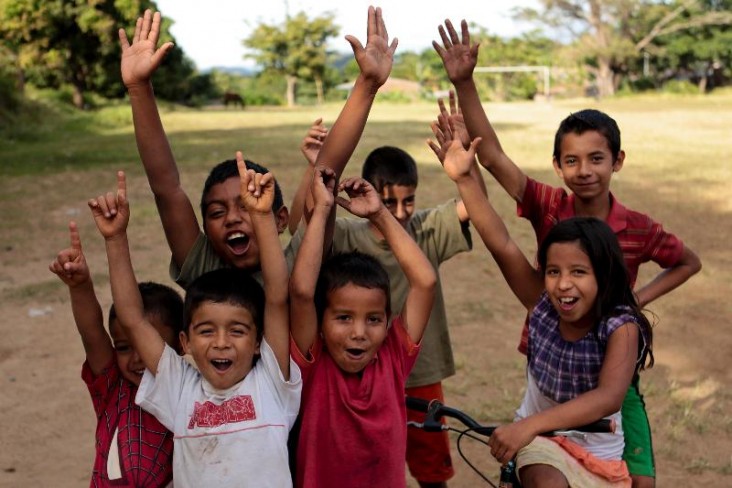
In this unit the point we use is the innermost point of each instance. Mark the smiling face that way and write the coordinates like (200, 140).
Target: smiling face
(229, 227)
(222, 339)
(586, 164)
(128, 360)
(400, 200)
(354, 325)
(571, 284)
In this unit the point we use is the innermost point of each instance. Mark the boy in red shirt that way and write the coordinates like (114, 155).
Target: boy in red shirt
(586, 154)
(354, 359)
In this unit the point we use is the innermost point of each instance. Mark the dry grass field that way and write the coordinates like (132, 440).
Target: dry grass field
(679, 154)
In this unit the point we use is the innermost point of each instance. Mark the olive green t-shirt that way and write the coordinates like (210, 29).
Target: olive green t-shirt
(440, 234)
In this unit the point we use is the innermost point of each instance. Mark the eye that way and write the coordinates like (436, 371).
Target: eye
(375, 320)
(598, 158)
(239, 331)
(123, 348)
(570, 161)
(205, 331)
(551, 272)
(215, 214)
(579, 272)
(342, 317)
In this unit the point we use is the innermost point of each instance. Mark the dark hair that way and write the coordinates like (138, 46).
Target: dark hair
(159, 300)
(586, 120)
(228, 169)
(227, 285)
(354, 267)
(388, 165)
(598, 241)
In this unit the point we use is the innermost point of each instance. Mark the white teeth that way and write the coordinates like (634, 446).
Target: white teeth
(236, 235)
(566, 300)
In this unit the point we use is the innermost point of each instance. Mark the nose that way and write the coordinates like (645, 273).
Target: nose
(565, 281)
(401, 211)
(233, 215)
(584, 168)
(135, 361)
(358, 330)
(221, 340)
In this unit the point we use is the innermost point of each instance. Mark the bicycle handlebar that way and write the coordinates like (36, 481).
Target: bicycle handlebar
(435, 410)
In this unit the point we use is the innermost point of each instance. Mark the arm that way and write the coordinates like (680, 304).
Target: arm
(525, 281)
(257, 194)
(670, 279)
(365, 202)
(310, 148)
(454, 121)
(111, 214)
(375, 62)
(71, 268)
(616, 374)
(304, 321)
(459, 58)
(139, 62)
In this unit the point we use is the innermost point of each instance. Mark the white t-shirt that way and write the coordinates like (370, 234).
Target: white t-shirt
(601, 445)
(233, 437)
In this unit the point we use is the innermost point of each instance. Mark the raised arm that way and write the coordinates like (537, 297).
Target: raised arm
(310, 147)
(303, 316)
(454, 122)
(375, 61)
(670, 279)
(617, 371)
(523, 279)
(139, 61)
(257, 194)
(111, 214)
(364, 201)
(459, 57)
(71, 268)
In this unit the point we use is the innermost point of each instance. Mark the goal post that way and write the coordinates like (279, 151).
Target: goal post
(545, 70)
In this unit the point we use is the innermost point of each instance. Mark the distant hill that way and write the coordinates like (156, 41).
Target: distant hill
(233, 70)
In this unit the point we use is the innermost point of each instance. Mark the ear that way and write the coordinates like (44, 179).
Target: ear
(184, 342)
(557, 168)
(282, 218)
(618, 164)
(257, 349)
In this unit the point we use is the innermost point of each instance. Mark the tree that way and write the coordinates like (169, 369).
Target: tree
(296, 49)
(75, 42)
(603, 29)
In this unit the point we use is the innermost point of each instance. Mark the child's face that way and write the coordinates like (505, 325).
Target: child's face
(229, 227)
(586, 164)
(400, 200)
(128, 361)
(222, 339)
(571, 284)
(354, 325)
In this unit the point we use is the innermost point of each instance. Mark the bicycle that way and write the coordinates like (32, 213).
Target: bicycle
(435, 411)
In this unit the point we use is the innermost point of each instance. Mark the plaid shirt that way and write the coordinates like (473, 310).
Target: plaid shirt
(145, 446)
(564, 370)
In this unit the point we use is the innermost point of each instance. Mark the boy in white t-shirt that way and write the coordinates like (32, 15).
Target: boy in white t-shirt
(230, 415)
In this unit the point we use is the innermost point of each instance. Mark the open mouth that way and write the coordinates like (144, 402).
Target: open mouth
(221, 364)
(238, 242)
(356, 353)
(566, 303)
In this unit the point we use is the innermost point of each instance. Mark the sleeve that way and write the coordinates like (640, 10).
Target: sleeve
(288, 392)
(538, 201)
(101, 387)
(201, 259)
(622, 317)
(664, 248)
(305, 364)
(407, 350)
(442, 225)
(161, 394)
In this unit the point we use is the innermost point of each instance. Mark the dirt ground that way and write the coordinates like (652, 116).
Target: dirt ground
(47, 422)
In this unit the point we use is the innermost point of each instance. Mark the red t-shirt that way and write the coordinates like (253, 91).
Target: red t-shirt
(145, 446)
(641, 238)
(354, 427)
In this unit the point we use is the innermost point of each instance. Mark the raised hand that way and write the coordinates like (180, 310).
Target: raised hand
(374, 60)
(455, 158)
(111, 211)
(257, 189)
(313, 141)
(141, 58)
(362, 201)
(324, 181)
(70, 264)
(458, 56)
(455, 117)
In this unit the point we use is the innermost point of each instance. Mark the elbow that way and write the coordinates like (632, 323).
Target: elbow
(300, 293)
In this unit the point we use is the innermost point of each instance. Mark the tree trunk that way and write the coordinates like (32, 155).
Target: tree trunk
(291, 83)
(319, 89)
(605, 78)
(77, 96)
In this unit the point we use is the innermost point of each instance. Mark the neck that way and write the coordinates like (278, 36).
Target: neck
(597, 207)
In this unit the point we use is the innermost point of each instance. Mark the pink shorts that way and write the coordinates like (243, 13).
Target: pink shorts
(428, 453)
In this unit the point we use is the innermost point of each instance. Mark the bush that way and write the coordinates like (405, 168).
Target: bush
(680, 87)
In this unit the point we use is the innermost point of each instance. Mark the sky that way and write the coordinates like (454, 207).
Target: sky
(211, 33)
